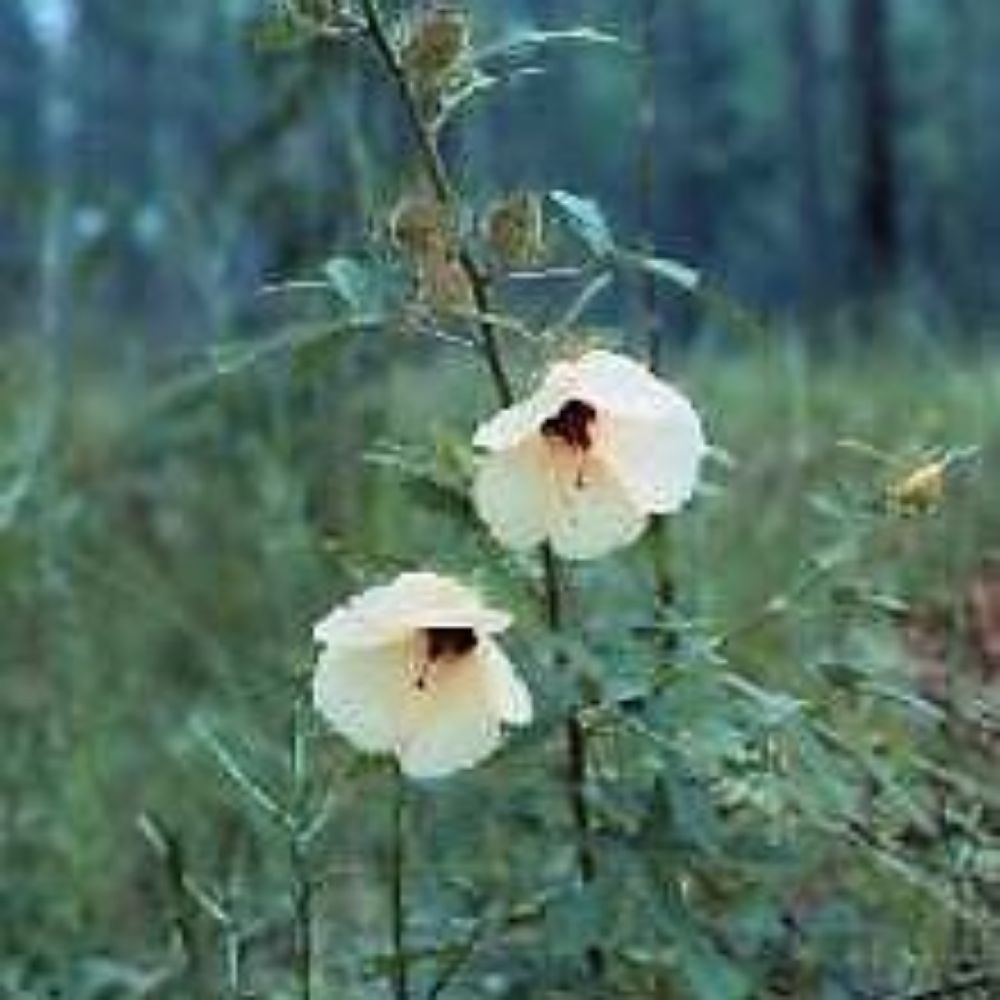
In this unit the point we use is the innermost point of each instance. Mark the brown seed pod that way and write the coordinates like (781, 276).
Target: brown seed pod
(514, 229)
(435, 43)
(420, 227)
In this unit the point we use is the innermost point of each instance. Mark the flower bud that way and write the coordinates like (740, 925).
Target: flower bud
(919, 491)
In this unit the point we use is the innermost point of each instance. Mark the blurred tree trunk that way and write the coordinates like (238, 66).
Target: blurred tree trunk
(876, 208)
(646, 169)
(20, 161)
(697, 129)
(969, 105)
(808, 115)
(55, 28)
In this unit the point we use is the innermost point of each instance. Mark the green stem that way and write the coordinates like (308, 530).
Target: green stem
(576, 758)
(437, 175)
(440, 181)
(400, 970)
(646, 173)
(298, 854)
(666, 591)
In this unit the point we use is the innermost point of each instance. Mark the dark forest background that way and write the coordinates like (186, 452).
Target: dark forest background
(158, 162)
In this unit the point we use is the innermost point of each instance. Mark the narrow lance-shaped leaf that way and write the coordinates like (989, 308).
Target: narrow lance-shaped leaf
(228, 359)
(666, 268)
(526, 42)
(585, 218)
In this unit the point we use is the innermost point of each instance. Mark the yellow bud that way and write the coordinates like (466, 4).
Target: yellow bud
(514, 229)
(435, 44)
(920, 490)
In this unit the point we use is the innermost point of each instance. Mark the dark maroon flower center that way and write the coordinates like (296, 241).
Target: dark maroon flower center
(571, 424)
(450, 643)
(444, 646)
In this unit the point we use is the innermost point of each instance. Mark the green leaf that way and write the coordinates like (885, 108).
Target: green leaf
(278, 33)
(228, 359)
(232, 768)
(479, 85)
(710, 975)
(587, 221)
(525, 43)
(352, 281)
(665, 268)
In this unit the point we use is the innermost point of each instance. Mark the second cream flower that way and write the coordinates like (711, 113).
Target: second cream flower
(582, 463)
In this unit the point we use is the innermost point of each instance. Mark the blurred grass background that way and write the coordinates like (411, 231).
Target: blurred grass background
(164, 556)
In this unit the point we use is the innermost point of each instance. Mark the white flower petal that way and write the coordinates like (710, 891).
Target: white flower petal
(508, 693)
(536, 491)
(437, 714)
(363, 693)
(512, 494)
(594, 515)
(412, 601)
(618, 385)
(656, 461)
(513, 425)
(455, 727)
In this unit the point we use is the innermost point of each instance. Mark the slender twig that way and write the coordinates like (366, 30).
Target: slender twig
(298, 852)
(400, 969)
(460, 960)
(577, 764)
(440, 181)
(437, 174)
(184, 915)
(985, 980)
(659, 540)
(646, 173)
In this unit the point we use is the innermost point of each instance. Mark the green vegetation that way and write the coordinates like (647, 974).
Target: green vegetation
(272, 300)
(162, 563)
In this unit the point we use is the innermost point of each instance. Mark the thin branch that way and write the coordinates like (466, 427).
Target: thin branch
(400, 970)
(440, 181)
(184, 916)
(646, 173)
(298, 853)
(958, 987)
(437, 174)
(660, 534)
(581, 302)
(460, 960)
(577, 764)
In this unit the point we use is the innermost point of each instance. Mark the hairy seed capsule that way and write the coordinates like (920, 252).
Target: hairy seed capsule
(436, 43)
(514, 229)
(419, 227)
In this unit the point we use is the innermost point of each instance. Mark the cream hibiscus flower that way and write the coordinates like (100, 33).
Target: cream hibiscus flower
(584, 461)
(413, 668)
